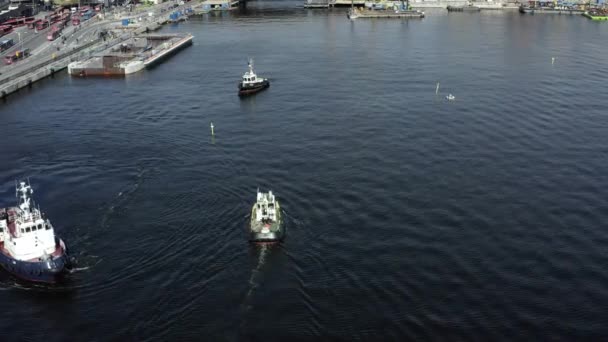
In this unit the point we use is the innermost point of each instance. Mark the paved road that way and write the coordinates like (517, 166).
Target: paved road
(41, 48)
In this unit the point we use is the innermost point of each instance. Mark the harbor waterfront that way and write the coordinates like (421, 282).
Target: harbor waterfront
(409, 216)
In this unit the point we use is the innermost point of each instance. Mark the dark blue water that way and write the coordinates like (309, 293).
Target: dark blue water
(410, 217)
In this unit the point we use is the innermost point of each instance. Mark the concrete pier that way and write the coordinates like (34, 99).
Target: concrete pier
(219, 5)
(129, 56)
(42, 70)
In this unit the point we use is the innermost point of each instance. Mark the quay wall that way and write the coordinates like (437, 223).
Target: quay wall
(50, 66)
(41, 70)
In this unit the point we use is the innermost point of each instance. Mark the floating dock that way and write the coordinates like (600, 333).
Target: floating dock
(597, 15)
(365, 13)
(130, 56)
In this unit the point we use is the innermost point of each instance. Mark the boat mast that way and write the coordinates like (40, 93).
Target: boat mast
(24, 201)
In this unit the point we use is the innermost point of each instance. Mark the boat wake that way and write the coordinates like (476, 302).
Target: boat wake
(121, 198)
(82, 263)
(256, 272)
(78, 269)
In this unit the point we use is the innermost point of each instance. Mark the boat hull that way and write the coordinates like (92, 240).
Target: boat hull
(48, 271)
(244, 91)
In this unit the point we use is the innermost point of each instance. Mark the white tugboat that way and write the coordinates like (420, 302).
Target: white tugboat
(29, 248)
(251, 83)
(266, 221)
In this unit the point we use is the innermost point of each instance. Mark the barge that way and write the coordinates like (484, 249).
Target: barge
(355, 13)
(550, 10)
(468, 8)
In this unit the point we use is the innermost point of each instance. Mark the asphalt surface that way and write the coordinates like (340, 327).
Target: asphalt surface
(41, 49)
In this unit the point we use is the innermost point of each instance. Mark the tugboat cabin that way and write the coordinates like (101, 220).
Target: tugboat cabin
(265, 210)
(24, 233)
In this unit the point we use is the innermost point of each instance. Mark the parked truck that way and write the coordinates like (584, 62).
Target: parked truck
(16, 56)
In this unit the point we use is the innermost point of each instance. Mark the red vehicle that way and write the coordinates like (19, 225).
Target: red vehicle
(18, 22)
(55, 18)
(16, 56)
(65, 18)
(5, 29)
(55, 31)
(52, 35)
(57, 11)
(75, 20)
(41, 25)
(33, 24)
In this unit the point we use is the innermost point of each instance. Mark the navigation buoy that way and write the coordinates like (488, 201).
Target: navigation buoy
(450, 97)
(552, 60)
(437, 89)
(212, 133)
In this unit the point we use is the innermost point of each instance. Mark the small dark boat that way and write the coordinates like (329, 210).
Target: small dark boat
(251, 83)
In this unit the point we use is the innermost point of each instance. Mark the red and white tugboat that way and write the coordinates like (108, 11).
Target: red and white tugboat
(251, 83)
(29, 248)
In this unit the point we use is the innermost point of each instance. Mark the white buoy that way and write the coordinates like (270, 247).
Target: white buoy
(437, 89)
(552, 60)
(212, 133)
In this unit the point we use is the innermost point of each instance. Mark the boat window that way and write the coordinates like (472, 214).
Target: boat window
(22, 230)
(47, 226)
(27, 230)
(39, 226)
